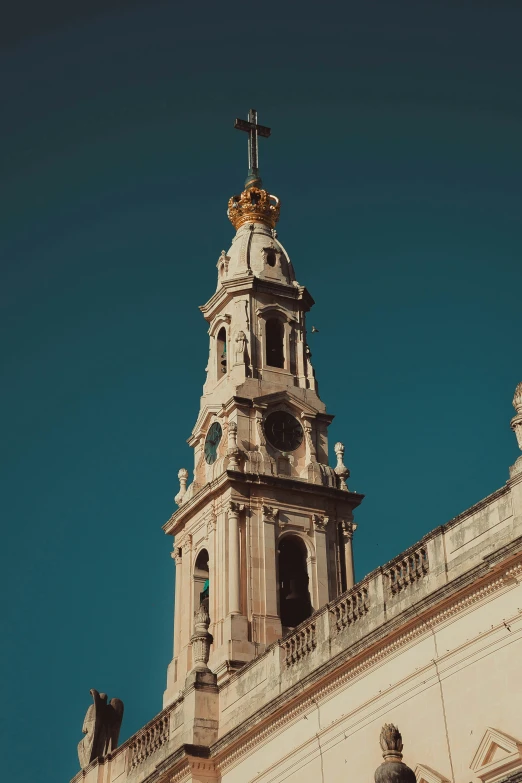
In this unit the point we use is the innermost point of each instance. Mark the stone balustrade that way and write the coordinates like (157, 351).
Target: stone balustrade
(150, 740)
(300, 644)
(350, 607)
(407, 570)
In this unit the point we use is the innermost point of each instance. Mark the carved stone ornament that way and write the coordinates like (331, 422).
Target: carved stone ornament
(516, 426)
(234, 509)
(340, 470)
(186, 544)
(211, 523)
(253, 206)
(319, 522)
(240, 347)
(393, 769)
(348, 528)
(310, 448)
(201, 639)
(183, 478)
(101, 728)
(233, 451)
(270, 513)
(391, 741)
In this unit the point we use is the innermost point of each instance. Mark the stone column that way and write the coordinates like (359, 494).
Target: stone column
(234, 572)
(348, 528)
(176, 554)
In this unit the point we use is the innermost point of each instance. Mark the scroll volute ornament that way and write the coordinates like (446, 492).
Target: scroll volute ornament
(253, 206)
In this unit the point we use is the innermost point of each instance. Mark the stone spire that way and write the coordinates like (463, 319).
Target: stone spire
(393, 769)
(516, 426)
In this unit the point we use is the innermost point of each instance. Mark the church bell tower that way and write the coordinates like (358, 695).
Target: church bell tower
(263, 533)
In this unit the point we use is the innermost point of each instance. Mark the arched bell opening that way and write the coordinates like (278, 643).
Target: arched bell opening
(221, 351)
(294, 596)
(275, 343)
(201, 580)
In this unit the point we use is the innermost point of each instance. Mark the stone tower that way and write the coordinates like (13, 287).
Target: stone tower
(263, 534)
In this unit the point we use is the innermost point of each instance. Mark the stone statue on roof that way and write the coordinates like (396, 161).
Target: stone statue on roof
(101, 728)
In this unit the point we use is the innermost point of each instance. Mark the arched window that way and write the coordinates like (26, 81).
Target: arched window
(201, 580)
(221, 347)
(294, 597)
(275, 338)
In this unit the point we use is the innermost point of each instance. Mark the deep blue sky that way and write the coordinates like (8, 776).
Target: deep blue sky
(396, 153)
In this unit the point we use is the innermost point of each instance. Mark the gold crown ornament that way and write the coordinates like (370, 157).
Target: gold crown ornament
(253, 205)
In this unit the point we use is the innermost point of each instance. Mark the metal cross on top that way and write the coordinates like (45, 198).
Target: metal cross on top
(254, 130)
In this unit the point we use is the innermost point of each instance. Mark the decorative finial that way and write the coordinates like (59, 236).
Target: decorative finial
(391, 742)
(233, 451)
(516, 426)
(183, 478)
(201, 639)
(393, 769)
(254, 130)
(340, 470)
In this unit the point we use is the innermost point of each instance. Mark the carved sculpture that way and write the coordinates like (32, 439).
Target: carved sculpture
(239, 357)
(101, 728)
(341, 471)
(183, 478)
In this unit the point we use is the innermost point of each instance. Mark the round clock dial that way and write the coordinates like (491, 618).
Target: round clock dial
(283, 431)
(212, 442)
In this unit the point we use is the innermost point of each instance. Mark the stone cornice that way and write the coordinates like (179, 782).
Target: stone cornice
(240, 285)
(299, 485)
(353, 499)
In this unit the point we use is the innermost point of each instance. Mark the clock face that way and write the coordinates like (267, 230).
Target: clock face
(212, 442)
(283, 431)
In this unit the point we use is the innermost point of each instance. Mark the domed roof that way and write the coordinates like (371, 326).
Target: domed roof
(256, 250)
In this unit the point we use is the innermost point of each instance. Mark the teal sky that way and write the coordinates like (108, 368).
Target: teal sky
(396, 153)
